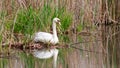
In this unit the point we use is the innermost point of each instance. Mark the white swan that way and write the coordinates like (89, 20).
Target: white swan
(47, 37)
(45, 54)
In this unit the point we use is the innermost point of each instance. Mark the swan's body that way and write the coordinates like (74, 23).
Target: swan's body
(45, 54)
(45, 37)
(48, 37)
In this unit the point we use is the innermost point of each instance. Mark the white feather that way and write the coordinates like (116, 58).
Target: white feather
(47, 37)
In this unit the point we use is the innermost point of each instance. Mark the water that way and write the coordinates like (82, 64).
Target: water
(47, 53)
(67, 58)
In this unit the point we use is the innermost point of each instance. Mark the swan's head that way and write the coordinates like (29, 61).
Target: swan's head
(56, 20)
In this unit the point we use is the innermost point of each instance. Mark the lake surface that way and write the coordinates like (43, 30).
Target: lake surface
(81, 56)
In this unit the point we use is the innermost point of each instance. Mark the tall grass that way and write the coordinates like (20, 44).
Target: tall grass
(27, 21)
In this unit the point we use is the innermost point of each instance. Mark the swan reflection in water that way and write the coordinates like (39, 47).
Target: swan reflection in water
(47, 53)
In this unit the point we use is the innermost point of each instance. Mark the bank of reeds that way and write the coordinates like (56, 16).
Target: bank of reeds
(21, 19)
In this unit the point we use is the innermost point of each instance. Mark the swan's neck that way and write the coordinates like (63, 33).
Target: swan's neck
(54, 30)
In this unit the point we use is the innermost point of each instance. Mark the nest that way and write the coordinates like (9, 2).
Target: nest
(32, 45)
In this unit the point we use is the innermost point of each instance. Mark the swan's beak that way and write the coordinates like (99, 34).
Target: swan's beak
(59, 23)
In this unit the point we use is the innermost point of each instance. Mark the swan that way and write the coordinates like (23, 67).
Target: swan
(45, 54)
(48, 37)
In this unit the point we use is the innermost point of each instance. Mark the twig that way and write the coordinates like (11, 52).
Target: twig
(86, 50)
